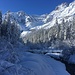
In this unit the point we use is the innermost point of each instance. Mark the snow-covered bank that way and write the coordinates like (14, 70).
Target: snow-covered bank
(32, 64)
(54, 55)
(72, 59)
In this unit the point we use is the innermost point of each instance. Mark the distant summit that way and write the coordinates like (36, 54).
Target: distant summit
(63, 5)
(29, 22)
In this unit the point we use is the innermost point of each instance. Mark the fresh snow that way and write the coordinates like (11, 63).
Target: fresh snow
(14, 60)
(32, 64)
(72, 59)
(54, 55)
(24, 33)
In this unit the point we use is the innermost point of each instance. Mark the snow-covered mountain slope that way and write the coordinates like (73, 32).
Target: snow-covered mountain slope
(63, 11)
(24, 20)
(30, 22)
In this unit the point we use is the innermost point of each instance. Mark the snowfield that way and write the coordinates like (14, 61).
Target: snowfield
(32, 64)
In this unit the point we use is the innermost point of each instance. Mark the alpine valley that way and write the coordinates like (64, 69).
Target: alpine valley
(38, 44)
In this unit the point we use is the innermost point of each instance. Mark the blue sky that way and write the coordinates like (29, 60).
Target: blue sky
(30, 6)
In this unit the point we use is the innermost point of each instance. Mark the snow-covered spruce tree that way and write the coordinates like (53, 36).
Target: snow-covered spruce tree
(70, 40)
(73, 28)
(0, 22)
(57, 28)
(0, 17)
(6, 27)
(62, 30)
(15, 32)
(10, 35)
(10, 29)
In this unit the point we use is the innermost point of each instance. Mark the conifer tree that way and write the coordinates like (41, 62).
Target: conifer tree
(0, 22)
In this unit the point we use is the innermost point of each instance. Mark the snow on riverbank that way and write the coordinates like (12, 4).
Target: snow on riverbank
(33, 64)
(54, 55)
(72, 59)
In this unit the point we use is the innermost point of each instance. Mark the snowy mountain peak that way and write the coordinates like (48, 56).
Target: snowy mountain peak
(21, 13)
(63, 5)
(72, 3)
(29, 22)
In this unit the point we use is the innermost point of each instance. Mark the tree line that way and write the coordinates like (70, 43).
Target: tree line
(9, 29)
(61, 32)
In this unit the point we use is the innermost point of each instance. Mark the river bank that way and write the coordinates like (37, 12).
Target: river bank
(69, 67)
